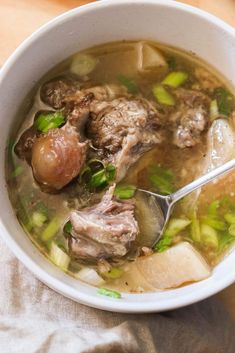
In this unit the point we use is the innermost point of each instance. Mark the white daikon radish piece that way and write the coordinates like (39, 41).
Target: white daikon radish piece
(178, 265)
(90, 276)
(150, 59)
(172, 268)
(220, 149)
(221, 145)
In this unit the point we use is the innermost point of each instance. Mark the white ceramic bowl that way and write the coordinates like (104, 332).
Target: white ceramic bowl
(165, 21)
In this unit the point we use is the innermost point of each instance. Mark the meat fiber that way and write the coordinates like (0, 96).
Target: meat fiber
(190, 119)
(106, 230)
(124, 129)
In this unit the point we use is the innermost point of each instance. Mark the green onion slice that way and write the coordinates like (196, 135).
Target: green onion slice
(109, 293)
(129, 83)
(125, 191)
(175, 79)
(49, 120)
(163, 96)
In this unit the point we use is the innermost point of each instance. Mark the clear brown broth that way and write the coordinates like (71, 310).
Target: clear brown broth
(113, 59)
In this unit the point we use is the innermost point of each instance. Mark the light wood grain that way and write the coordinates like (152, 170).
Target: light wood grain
(19, 18)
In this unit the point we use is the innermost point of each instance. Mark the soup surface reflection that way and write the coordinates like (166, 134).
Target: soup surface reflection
(100, 125)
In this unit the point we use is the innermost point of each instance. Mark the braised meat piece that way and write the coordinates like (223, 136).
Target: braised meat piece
(106, 230)
(54, 93)
(191, 117)
(123, 129)
(57, 157)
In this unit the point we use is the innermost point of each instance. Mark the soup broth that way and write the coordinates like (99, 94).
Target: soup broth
(184, 113)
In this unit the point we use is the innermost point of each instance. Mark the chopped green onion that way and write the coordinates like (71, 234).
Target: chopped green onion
(125, 191)
(225, 240)
(98, 179)
(109, 293)
(162, 179)
(110, 171)
(213, 208)
(114, 273)
(163, 244)
(224, 100)
(48, 120)
(163, 96)
(214, 110)
(214, 223)
(38, 219)
(59, 257)
(18, 170)
(231, 230)
(195, 230)
(230, 218)
(83, 64)
(102, 177)
(129, 83)
(68, 227)
(51, 229)
(209, 236)
(176, 225)
(175, 79)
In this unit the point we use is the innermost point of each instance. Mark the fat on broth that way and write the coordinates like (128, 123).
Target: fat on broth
(164, 168)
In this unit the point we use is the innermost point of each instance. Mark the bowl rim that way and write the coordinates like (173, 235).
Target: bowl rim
(199, 292)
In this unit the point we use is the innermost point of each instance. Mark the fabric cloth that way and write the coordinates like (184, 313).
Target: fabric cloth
(35, 319)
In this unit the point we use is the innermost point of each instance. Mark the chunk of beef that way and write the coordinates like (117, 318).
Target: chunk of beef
(124, 129)
(77, 110)
(57, 157)
(191, 117)
(106, 230)
(54, 93)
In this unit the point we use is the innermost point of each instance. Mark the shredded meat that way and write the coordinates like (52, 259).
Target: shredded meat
(54, 93)
(106, 230)
(124, 129)
(190, 119)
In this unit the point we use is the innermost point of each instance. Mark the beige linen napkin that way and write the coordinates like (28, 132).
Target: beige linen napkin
(35, 319)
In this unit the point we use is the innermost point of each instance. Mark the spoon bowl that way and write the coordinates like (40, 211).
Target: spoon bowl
(164, 204)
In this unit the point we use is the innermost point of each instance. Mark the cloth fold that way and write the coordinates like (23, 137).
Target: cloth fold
(35, 319)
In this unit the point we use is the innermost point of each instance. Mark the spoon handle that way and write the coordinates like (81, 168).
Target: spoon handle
(205, 179)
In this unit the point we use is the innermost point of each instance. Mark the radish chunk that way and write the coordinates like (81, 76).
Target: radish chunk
(150, 59)
(174, 267)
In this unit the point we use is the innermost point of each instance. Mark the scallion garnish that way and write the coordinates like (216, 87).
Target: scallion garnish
(51, 230)
(214, 110)
(49, 120)
(163, 96)
(68, 227)
(109, 293)
(125, 191)
(162, 179)
(102, 177)
(129, 83)
(17, 171)
(224, 100)
(175, 79)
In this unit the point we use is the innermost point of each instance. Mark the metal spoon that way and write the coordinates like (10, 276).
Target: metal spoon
(165, 204)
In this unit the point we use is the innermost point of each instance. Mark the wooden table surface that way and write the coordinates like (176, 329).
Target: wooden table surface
(19, 18)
